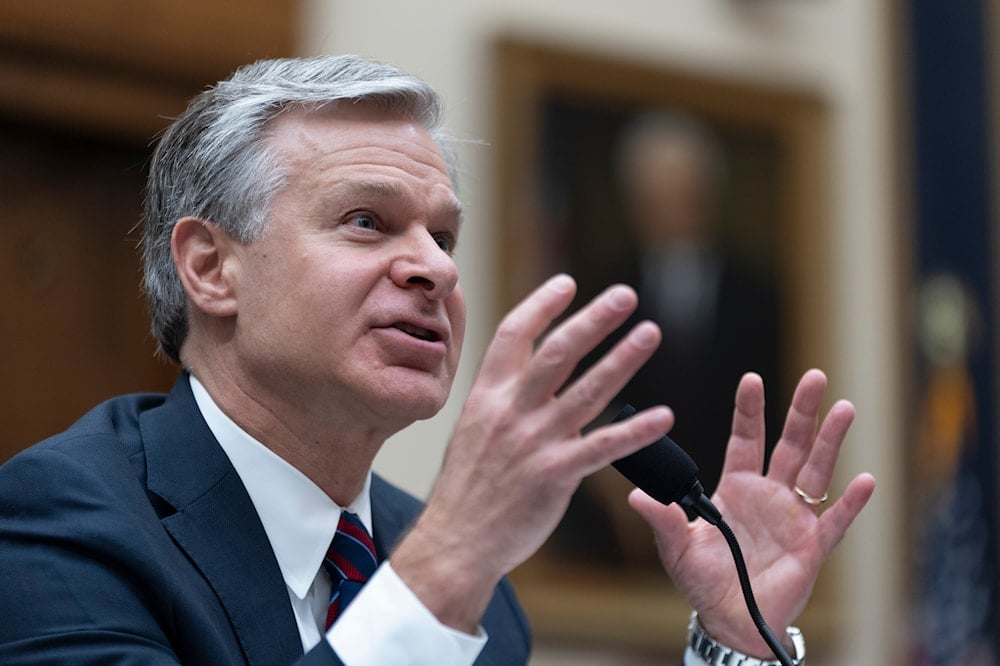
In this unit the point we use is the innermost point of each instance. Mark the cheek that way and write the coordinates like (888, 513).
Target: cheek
(293, 296)
(456, 314)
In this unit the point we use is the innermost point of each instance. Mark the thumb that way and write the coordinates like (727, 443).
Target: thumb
(669, 522)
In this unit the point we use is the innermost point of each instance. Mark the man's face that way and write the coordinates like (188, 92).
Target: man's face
(669, 192)
(350, 298)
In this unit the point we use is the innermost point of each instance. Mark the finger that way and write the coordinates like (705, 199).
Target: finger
(602, 446)
(669, 523)
(563, 348)
(514, 342)
(833, 522)
(815, 476)
(587, 397)
(745, 451)
(800, 429)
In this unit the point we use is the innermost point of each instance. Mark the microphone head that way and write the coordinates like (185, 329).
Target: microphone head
(662, 469)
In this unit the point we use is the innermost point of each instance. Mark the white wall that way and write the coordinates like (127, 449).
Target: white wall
(839, 49)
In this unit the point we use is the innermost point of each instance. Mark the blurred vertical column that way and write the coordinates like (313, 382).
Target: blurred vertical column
(953, 456)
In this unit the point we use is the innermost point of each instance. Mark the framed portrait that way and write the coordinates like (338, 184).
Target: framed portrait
(710, 197)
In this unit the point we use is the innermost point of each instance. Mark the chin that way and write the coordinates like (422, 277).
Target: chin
(411, 401)
(401, 413)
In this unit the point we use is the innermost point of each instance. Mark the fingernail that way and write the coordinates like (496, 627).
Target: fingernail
(646, 335)
(665, 417)
(561, 283)
(621, 298)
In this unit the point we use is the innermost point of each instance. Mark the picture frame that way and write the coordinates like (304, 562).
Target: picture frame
(543, 92)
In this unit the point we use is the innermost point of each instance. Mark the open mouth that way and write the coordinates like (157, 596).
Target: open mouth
(417, 332)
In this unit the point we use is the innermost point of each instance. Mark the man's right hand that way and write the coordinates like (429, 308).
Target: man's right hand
(517, 453)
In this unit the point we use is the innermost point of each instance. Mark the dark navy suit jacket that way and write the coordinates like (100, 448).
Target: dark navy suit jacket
(129, 538)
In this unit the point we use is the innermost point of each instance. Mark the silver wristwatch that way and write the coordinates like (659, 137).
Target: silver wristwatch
(717, 654)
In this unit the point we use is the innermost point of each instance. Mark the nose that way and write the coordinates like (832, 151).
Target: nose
(423, 264)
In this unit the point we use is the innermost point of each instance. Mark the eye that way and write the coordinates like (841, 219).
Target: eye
(363, 221)
(446, 242)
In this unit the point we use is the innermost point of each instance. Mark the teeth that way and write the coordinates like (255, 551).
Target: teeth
(416, 331)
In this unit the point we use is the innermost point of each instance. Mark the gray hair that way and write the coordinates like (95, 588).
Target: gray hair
(213, 162)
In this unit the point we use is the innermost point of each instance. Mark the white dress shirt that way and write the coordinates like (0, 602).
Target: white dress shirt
(682, 285)
(386, 623)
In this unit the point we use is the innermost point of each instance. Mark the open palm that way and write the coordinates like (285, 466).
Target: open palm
(784, 538)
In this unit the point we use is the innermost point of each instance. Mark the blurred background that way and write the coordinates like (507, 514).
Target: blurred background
(812, 180)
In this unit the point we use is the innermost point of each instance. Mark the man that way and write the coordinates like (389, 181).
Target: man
(298, 247)
(719, 317)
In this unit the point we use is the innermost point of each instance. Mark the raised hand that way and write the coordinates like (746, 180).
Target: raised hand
(517, 453)
(785, 532)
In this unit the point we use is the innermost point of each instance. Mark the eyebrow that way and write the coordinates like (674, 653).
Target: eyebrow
(384, 190)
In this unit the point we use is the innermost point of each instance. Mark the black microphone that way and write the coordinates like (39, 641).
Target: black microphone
(665, 472)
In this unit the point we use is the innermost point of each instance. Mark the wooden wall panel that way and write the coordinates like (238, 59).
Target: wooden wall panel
(85, 85)
(121, 66)
(73, 328)
(186, 40)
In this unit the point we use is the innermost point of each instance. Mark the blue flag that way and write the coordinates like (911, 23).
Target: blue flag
(953, 496)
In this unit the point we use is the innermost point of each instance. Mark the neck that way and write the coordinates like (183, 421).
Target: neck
(328, 443)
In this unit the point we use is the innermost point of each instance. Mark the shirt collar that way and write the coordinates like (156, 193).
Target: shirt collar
(298, 517)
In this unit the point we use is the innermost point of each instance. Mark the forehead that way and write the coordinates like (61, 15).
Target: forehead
(666, 149)
(360, 138)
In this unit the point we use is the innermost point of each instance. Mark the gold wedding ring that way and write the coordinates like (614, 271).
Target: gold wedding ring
(809, 499)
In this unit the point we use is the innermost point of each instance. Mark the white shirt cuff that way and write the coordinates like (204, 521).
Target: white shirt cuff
(387, 624)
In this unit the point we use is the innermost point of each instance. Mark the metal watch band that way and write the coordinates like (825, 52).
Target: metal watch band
(717, 654)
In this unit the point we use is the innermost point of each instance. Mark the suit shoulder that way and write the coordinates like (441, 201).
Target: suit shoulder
(114, 420)
(103, 449)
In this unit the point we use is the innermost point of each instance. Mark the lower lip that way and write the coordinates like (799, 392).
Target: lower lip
(413, 349)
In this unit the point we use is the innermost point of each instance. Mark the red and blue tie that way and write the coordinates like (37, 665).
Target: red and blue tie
(350, 561)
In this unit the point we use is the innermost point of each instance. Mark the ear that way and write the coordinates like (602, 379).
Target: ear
(201, 252)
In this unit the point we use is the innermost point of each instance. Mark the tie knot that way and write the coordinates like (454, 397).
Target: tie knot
(352, 553)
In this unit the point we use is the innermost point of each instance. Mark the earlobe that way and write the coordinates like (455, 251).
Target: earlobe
(201, 254)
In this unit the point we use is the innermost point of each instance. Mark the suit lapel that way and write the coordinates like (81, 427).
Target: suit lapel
(216, 525)
(393, 512)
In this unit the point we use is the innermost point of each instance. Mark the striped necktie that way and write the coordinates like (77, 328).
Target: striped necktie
(350, 561)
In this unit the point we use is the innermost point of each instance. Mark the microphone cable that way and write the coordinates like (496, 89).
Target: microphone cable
(741, 571)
